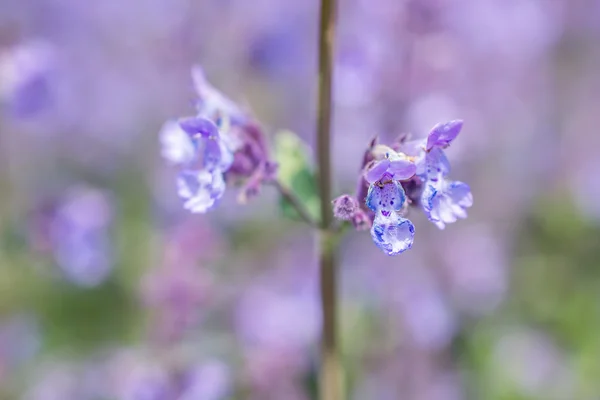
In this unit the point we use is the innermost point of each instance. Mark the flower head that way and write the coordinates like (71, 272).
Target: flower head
(195, 146)
(220, 145)
(407, 173)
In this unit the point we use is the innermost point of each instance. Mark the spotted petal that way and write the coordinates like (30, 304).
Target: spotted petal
(443, 134)
(200, 189)
(446, 202)
(387, 199)
(436, 165)
(377, 171)
(393, 235)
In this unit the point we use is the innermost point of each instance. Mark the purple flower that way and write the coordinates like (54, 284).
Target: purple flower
(195, 146)
(446, 201)
(77, 231)
(210, 380)
(393, 234)
(222, 144)
(390, 232)
(443, 201)
(25, 73)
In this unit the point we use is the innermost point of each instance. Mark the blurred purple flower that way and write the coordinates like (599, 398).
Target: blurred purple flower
(195, 146)
(75, 230)
(210, 380)
(222, 144)
(177, 288)
(278, 322)
(25, 71)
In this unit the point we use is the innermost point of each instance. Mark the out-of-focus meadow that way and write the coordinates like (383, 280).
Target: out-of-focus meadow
(109, 290)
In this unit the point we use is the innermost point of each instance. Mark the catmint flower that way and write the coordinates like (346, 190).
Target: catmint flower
(25, 71)
(390, 232)
(221, 145)
(443, 201)
(195, 146)
(407, 173)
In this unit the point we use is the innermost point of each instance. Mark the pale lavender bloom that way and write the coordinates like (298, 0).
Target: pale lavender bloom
(210, 380)
(393, 234)
(79, 236)
(442, 200)
(25, 71)
(278, 321)
(196, 147)
(446, 201)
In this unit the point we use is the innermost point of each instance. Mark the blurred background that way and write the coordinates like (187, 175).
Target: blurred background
(110, 291)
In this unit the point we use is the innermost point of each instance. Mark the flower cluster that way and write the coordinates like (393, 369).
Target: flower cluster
(407, 173)
(220, 144)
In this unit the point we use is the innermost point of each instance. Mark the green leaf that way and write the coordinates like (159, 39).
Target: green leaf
(297, 173)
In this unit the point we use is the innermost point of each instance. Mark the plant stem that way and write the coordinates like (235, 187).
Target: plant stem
(330, 374)
(291, 197)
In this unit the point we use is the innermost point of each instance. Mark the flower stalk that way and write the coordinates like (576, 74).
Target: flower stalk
(330, 374)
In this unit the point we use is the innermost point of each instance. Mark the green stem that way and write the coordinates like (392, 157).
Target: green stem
(291, 197)
(331, 375)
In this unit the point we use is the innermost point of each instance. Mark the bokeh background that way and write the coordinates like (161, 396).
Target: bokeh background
(110, 291)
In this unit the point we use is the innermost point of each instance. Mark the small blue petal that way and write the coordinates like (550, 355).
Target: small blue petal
(393, 235)
(443, 134)
(200, 189)
(446, 202)
(387, 199)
